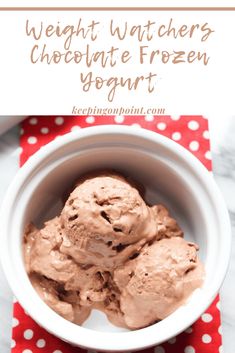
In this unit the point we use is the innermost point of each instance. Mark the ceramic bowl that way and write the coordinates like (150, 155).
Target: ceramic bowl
(170, 174)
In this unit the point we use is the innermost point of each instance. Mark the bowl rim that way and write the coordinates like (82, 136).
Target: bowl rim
(133, 340)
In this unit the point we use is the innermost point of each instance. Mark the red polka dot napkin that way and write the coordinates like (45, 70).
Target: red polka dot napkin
(191, 132)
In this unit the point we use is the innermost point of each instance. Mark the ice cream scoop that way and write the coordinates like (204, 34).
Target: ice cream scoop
(158, 281)
(52, 294)
(106, 221)
(44, 258)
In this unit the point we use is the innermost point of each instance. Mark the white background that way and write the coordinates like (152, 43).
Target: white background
(181, 89)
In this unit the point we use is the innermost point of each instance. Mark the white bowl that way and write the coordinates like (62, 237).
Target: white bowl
(170, 174)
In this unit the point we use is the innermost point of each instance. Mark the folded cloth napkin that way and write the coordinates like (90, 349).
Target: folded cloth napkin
(204, 336)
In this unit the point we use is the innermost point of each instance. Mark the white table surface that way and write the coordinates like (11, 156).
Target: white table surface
(222, 132)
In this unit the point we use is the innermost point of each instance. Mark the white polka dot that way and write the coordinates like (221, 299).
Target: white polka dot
(41, 343)
(32, 140)
(206, 338)
(161, 126)
(44, 130)
(194, 146)
(75, 128)
(189, 349)
(57, 351)
(172, 340)
(220, 330)
(119, 119)
(136, 125)
(221, 349)
(208, 155)
(90, 119)
(59, 120)
(159, 349)
(189, 330)
(28, 334)
(193, 125)
(13, 343)
(207, 317)
(15, 322)
(21, 131)
(206, 134)
(176, 136)
(149, 118)
(33, 121)
(27, 351)
(175, 117)
(218, 305)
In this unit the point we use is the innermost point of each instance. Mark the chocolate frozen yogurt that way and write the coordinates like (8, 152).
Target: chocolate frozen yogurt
(109, 250)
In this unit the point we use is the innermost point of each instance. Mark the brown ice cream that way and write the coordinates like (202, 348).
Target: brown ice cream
(65, 304)
(158, 281)
(105, 221)
(109, 250)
